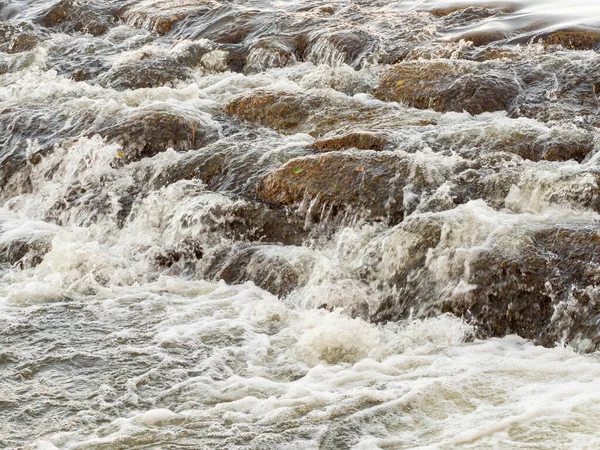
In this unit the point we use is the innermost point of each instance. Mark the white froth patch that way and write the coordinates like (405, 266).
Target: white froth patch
(155, 417)
(335, 339)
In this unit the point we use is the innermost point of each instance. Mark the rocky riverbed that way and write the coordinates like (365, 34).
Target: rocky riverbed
(299, 224)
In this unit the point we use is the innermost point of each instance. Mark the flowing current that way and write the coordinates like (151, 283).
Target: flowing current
(299, 224)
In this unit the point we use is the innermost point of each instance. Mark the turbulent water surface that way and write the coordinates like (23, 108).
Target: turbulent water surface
(299, 224)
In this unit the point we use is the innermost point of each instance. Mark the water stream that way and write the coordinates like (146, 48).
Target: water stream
(299, 224)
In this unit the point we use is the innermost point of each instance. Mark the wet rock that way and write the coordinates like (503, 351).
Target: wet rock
(318, 114)
(335, 47)
(25, 254)
(257, 222)
(559, 86)
(281, 111)
(185, 254)
(360, 140)
(269, 53)
(546, 293)
(162, 17)
(17, 38)
(330, 184)
(465, 19)
(227, 25)
(147, 133)
(574, 39)
(526, 138)
(471, 13)
(544, 289)
(145, 71)
(28, 133)
(70, 16)
(450, 85)
(270, 268)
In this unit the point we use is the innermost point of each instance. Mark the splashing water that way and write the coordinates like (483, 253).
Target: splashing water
(297, 225)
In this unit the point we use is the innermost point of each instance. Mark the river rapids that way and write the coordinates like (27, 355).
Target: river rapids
(295, 224)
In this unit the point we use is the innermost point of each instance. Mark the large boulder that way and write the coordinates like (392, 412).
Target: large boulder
(527, 277)
(327, 185)
(148, 132)
(450, 85)
(69, 16)
(547, 292)
(320, 112)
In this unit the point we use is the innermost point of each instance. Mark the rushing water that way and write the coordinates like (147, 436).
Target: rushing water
(162, 285)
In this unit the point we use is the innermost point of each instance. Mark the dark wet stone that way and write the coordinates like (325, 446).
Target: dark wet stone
(95, 18)
(479, 12)
(147, 133)
(572, 39)
(334, 47)
(524, 138)
(162, 17)
(327, 185)
(546, 293)
(317, 114)
(43, 125)
(257, 222)
(188, 251)
(559, 86)
(269, 268)
(450, 85)
(148, 71)
(280, 111)
(362, 140)
(17, 38)
(227, 25)
(269, 53)
(24, 254)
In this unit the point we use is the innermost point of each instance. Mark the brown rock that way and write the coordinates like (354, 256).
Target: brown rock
(161, 17)
(16, 38)
(544, 289)
(267, 266)
(318, 114)
(574, 39)
(525, 138)
(69, 16)
(150, 132)
(450, 85)
(25, 253)
(149, 71)
(327, 185)
(361, 140)
(545, 293)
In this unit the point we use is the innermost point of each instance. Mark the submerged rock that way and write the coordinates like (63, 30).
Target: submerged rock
(71, 16)
(161, 17)
(450, 85)
(272, 269)
(17, 38)
(361, 140)
(318, 113)
(26, 253)
(147, 133)
(145, 71)
(572, 39)
(537, 280)
(548, 292)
